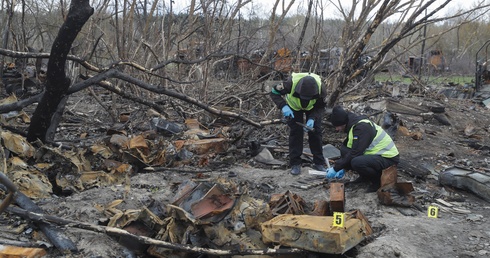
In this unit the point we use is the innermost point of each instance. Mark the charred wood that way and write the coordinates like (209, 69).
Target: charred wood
(42, 218)
(416, 172)
(54, 234)
(57, 82)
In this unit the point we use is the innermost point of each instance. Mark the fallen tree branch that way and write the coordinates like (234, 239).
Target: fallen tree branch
(20, 104)
(113, 73)
(183, 97)
(180, 170)
(271, 122)
(117, 90)
(142, 239)
(54, 234)
(18, 54)
(40, 244)
(416, 171)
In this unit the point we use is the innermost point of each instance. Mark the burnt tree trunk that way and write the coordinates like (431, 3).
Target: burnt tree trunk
(57, 82)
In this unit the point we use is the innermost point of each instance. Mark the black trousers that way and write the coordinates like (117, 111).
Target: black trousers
(296, 134)
(369, 166)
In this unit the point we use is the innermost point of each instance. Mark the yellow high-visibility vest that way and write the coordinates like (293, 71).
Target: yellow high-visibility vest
(382, 143)
(294, 102)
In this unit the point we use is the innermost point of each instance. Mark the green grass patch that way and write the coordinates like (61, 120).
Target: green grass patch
(436, 79)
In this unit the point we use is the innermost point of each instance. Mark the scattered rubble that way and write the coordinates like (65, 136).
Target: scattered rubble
(181, 189)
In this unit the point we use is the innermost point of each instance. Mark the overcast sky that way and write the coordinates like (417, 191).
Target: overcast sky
(264, 7)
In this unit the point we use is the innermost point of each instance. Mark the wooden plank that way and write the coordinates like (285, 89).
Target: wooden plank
(462, 211)
(447, 204)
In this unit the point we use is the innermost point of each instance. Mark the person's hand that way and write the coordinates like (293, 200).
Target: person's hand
(286, 111)
(310, 123)
(340, 174)
(331, 173)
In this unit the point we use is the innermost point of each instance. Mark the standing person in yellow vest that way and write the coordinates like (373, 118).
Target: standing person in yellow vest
(302, 98)
(367, 150)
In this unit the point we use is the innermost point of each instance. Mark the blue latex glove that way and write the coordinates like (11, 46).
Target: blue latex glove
(287, 111)
(340, 174)
(331, 173)
(309, 123)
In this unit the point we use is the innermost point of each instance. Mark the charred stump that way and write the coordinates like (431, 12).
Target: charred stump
(57, 83)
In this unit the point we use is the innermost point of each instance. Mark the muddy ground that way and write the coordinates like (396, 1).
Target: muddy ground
(399, 232)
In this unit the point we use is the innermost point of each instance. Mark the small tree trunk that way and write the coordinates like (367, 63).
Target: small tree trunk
(57, 82)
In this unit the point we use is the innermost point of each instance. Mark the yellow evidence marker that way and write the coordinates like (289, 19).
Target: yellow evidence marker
(338, 219)
(432, 212)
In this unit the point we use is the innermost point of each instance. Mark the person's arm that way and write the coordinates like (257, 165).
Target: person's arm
(279, 90)
(363, 135)
(344, 161)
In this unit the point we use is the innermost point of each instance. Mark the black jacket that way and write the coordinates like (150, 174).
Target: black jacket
(285, 88)
(363, 134)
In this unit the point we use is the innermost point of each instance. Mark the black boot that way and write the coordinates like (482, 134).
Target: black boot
(374, 186)
(359, 180)
(295, 170)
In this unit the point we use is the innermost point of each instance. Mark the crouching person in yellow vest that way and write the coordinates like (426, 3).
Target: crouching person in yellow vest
(367, 150)
(302, 98)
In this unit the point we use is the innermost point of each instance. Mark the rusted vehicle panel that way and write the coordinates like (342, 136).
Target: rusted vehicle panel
(316, 233)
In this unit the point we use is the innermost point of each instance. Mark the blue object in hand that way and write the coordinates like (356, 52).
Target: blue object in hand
(331, 173)
(310, 123)
(286, 111)
(340, 174)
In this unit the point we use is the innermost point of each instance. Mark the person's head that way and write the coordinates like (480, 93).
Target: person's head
(307, 88)
(339, 118)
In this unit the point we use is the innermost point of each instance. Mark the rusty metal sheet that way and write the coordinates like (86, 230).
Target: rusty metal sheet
(389, 176)
(397, 194)
(21, 252)
(316, 233)
(252, 212)
(139, 229)
(32, 183)
(394, 193)
(204, 146)
(287, 203)
(17, 144)
(90, 179)
(337, 197)
(320, 208)
(202, 203)
(213, 203)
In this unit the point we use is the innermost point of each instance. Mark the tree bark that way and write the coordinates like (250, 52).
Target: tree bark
(6, 31)
(57, 82)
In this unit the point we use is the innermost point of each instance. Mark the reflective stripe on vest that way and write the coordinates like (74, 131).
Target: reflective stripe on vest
(382, 143)
(294, 102)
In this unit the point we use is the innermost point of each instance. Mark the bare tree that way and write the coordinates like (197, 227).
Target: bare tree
(56, 82)
(359, 29)
(7, 22)
(144, 40)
